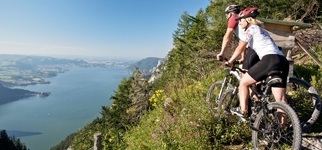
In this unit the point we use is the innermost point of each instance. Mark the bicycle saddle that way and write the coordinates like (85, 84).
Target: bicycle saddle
(274, 78)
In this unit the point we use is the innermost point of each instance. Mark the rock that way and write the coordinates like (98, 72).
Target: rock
(312, 142)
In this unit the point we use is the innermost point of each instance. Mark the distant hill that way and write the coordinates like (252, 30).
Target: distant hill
(145, 65)
(9, 95)
(31, 62)
(23, 70)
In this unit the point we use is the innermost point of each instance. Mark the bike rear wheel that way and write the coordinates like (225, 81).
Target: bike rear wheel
(271, 133)
(213, 94)
(305, 101)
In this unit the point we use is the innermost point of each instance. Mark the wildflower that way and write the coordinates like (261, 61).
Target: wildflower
(157, 96)
(111, 139)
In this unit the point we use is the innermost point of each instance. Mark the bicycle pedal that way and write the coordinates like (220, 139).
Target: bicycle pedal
(243, 120)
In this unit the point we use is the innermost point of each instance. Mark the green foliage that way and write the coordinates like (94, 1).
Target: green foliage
(189, 39)
(138, 117)
(65, 143)
(281, 9)
(186, 124)
(130, 102)
(157, 98)
(10, 143)
(310, 71)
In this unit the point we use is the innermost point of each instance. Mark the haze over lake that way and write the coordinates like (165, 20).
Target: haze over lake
(76, 98)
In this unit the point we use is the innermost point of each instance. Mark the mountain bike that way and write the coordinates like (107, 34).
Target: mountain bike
(274, 125)
(301, 96)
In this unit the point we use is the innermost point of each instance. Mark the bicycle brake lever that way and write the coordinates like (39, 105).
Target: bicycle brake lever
(231, 66)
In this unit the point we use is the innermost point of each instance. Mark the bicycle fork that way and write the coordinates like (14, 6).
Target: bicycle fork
(261, 106)
(265, 111)
(231, 98)
(223, 85)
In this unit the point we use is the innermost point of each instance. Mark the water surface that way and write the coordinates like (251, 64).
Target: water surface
(76, 98)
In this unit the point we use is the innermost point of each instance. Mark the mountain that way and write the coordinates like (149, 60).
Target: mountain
(146, 65)
(9, 95)
(172, 113)
(9, 142)
(31, 62)
(23, 70)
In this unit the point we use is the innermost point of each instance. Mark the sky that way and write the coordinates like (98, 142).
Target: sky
(92, 28)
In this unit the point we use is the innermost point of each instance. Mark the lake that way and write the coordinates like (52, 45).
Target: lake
(76, 98)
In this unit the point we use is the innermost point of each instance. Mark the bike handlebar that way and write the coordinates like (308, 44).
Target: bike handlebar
(233, 66)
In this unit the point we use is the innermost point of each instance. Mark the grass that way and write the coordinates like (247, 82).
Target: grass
(186, 124)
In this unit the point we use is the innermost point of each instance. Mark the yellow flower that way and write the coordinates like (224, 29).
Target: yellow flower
(157, 96)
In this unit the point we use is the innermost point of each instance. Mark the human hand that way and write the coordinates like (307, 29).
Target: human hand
(240, 61)
(220, 57)
(227, 63)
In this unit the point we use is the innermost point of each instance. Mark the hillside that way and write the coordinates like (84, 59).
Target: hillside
(171, 112)
(145, 65)
(10, 143)
(8, 95)
(23, 70)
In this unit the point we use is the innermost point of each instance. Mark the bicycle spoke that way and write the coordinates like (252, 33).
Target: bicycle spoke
(214, 95)
(276, 129)
(228, 101)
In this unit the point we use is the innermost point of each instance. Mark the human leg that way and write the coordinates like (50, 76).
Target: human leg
(244, 84)
(279, 94)
(250, 59)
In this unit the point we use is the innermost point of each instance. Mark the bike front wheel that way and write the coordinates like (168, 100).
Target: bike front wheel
(229, 100)
(214, 94)
(277, 127)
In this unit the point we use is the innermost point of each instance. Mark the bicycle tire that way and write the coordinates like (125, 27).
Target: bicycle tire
(276, 137)
(227, 101)
(305, 101)
(212, 95)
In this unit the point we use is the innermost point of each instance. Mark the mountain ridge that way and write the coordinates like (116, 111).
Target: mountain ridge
(146, 65)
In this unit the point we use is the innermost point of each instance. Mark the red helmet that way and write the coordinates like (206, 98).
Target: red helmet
(248, 12)
(232, 8)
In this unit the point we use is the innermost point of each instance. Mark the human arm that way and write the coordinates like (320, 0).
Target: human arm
(239, 50)
(226, 39)
(242, 56)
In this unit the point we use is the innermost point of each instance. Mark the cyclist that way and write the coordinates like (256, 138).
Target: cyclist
(251, 57)
(271, 58)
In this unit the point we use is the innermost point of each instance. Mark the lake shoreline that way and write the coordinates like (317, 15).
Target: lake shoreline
(76, 98)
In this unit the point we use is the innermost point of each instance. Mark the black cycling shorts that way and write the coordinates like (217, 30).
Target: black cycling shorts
(267, 64)
(250, 59)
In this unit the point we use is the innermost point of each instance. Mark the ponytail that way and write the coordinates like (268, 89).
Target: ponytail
(254, 21)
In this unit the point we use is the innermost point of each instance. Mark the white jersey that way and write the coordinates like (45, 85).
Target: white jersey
(240, 33)
(259, 40)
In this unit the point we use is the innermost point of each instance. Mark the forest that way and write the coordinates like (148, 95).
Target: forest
(171, 112)
(10, 143)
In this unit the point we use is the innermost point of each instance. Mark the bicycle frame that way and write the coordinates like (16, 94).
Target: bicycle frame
(264, 115)
(232, 73)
